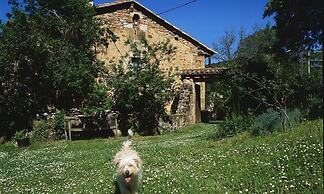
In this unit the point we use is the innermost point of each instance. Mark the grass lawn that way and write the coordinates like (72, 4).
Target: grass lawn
(184, 162)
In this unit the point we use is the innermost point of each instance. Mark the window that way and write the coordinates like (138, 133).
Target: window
(136, 18)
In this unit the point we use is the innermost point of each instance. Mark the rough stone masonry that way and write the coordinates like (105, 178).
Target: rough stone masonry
(129, 19)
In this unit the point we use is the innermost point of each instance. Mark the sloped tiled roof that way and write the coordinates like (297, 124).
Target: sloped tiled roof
(119, 5)
(203, 72)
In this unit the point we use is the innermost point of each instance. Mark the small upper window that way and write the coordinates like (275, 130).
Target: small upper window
(136, 18)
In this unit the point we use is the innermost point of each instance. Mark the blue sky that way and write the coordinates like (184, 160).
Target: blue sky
(205, 20)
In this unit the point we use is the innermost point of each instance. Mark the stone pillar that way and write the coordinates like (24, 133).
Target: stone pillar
(186, 104)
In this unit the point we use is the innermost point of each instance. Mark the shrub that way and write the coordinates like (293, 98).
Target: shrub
(97, 100)
(165, 126)
(232, 126)
(314, 107)
(216, 104)
(141, 90)
(295, 116)
(267, 123)
(40, 131)
(20, 134)
(58, 124)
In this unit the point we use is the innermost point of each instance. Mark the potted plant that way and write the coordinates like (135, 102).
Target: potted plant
(2, 140)
(22, 138)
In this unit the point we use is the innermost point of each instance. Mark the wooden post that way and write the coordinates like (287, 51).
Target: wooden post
(308, 62)
(65, 129)
(116, 123)
(69, 127)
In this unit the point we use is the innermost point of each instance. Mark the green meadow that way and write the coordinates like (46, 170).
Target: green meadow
(187, 161)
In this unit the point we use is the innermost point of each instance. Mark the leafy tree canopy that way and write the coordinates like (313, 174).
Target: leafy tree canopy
(299, 24)
(256, 44)
(258, 81)
(46, 58)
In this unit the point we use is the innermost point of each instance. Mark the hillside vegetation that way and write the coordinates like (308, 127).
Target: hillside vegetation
(188, 161)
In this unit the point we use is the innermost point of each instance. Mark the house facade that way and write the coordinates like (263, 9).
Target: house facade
(128, 19)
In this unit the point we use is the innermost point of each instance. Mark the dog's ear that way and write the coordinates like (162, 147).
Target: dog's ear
(116, 161)
(139, 162)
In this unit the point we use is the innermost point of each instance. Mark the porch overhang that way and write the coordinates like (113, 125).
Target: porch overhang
(203, 74)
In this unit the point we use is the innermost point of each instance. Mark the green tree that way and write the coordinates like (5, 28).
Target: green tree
(97, 100)
(299, 28)
(47, 58)
(299, 24)
(265, 82)
(226, 47)
(139, 88)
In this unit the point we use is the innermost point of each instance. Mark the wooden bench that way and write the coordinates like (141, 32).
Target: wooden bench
(70, 123)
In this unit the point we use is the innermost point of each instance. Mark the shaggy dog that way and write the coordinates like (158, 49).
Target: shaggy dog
(129, 169)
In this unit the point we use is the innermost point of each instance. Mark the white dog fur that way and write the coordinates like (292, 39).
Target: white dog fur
(129, 169)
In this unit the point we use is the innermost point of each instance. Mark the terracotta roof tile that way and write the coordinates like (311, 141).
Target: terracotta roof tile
(203, 71)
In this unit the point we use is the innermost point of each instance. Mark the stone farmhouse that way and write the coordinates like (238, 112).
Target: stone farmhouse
(128, 18)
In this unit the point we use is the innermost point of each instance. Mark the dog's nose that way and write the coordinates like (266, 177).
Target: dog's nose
(127, 173)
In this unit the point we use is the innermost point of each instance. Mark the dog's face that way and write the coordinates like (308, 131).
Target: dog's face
(128, 167)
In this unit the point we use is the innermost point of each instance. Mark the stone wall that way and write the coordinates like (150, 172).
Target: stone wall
(121, 23)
